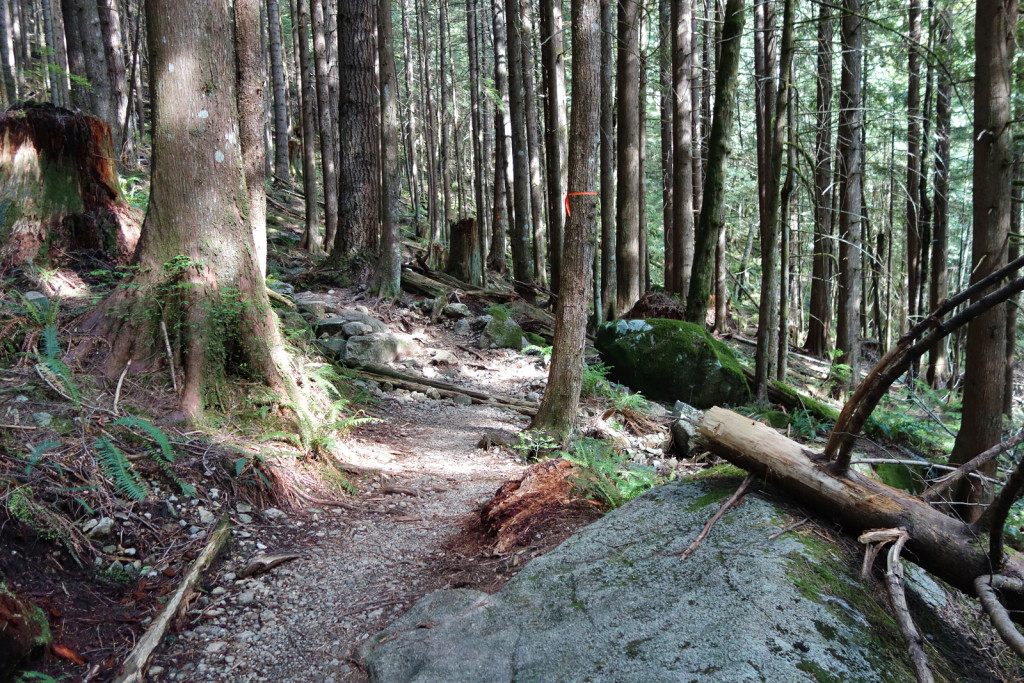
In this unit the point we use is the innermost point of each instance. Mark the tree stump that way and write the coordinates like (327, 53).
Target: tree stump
(464, 254)
(24, 632)
(59, 190)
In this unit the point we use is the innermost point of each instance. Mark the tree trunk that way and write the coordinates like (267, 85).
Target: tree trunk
(520, 232)
(786, 215)
(627, 200)
(820, 314)
(7, 64)
(665, 53)
(198, 270)
(712, 217)
(984, 376)
(445, 97)
(327, 132)
(557, 410)
(102, 96)
(43, 151)
(533, 146)
(609, 248)
(359, 117)
(429, 127)
(476, 121)
(683, 251)
(51, 22)
(913, 157)
(555, 129)
(249, 54)
(851, 172)
(311, 240)
(282, 170)
(503, 171)
(110, 23)
(389, 264)
(938, 367)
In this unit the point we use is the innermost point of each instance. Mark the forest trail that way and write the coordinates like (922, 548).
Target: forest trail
(359, 569)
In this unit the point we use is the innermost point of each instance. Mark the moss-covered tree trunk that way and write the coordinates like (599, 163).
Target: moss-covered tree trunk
(59, 189)
(198, 272)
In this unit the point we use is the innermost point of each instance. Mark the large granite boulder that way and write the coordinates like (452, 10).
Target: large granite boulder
(668, 360)
(379, 348)
(616, 603)
(502, 332)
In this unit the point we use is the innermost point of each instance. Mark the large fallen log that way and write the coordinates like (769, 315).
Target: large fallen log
(946, 547)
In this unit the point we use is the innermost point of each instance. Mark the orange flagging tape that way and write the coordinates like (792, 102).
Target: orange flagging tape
(573, 194)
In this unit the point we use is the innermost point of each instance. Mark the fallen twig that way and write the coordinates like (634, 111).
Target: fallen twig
(120, 381)
(718, 515)
(170, 356)
(135, 664)
(971, 465)
(985, 586)
(281, 299)
(262, 564)
(894, 582)
(789, 528)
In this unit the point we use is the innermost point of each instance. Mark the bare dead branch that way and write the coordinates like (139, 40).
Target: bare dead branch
(972, 465)
(1000, 509)
(986, 586)
(718, 515)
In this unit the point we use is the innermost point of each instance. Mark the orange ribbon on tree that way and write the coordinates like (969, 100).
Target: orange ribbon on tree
(574, 194)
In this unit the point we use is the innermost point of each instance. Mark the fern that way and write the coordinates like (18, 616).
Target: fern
(58, 376)
(51, 346)
(36, 454)
(115, 464)
(152, 431)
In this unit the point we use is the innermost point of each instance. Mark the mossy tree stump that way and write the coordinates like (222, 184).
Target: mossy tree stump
(59, 189)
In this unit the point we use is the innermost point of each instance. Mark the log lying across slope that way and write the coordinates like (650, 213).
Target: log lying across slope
(946, 547)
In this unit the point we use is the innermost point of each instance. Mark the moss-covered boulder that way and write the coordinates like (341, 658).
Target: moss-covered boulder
(668, 360)
(502, 332)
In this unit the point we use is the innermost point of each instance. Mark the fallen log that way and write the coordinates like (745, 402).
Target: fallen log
(946, 547)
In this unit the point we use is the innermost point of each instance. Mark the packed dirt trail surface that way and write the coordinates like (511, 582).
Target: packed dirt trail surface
(358, 569)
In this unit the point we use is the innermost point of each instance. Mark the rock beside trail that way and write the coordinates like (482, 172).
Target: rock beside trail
(616, 603)
(379, 348)
(501, 332)
(666, 360)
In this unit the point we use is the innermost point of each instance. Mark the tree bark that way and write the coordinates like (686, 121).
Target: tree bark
(476, 122)
(359, 117)
(282, 170)
(249, 55)
(503, 171)
(520, 232)
(389, 264)
(557, 410)
(627, 199)
(7, 64)
(938, 367)
(820, 313)
(540, 266)
(712, 217)
(984, 375)
(555, 128)
(110, 23)
(609, 249)
(851, 172)
(464, 253)
(97, 69)
(665, 53)
(913, 157)
(682, 147)
(327, 132)
(311, 239)
(198, 269)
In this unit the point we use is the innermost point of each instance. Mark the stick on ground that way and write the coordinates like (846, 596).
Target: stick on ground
(718, 515)
(135, 665)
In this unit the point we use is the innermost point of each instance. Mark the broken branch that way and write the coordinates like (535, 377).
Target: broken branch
(718, 515)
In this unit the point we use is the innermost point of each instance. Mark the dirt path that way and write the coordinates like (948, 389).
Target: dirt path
(357, 570)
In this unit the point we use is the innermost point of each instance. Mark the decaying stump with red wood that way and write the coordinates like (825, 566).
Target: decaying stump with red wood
(59, 189)
(464, 253)
(946, 547)
(24, 632)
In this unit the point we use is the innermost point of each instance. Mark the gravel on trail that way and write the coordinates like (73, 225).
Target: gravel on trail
(357, 570)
